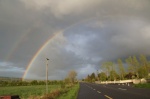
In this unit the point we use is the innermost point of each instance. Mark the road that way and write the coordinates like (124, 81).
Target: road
(97, 91)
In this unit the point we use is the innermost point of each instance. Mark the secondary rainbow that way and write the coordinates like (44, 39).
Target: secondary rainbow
(19, 41)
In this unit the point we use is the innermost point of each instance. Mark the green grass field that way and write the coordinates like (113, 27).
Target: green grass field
(26, 91)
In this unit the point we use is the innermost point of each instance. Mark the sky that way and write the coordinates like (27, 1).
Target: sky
(74, 34)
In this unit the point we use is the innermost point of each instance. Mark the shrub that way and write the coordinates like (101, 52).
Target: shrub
(62, 85)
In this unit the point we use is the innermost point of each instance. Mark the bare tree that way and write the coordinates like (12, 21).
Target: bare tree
(72, 76)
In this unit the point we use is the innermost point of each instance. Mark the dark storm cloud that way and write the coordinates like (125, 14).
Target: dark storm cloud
(116, 38)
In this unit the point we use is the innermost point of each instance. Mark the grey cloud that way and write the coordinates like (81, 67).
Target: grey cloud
(98, 30)
(60, 8)
(116, 39)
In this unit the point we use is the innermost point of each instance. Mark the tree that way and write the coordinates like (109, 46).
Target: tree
(72, 75)
(67, 80)
(89, 78)
(121, 69)
(133, 65)
(106, 67)
(144, 63)
(93, 76)
(24, 83)
(129, 75)
(113, 75)
(142, 72)
(34, 82)
(130, 64)
(41, 82)
(136, 65)
(102, 76)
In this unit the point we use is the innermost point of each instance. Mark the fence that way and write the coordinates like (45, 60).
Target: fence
(134, 81)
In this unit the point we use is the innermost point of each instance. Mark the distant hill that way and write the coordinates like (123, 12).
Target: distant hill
(10, 79)
(16, 79)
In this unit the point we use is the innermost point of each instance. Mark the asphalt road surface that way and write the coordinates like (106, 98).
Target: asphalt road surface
(97, 91)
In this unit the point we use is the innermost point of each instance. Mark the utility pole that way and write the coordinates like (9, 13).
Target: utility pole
(97, 76)
(47, 75)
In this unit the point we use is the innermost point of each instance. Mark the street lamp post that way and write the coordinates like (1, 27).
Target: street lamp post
(47, 75)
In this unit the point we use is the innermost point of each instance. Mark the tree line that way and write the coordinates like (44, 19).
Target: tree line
(129, 68)
(70, 79)
(29, 83)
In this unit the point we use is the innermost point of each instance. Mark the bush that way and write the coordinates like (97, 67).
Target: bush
(55, 94)
(62, 85)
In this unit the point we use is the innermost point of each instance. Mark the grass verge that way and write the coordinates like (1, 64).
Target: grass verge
(147, 85)
(71, 94)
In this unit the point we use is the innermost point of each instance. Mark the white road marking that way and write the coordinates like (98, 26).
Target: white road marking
(108, 97)
(98, 91)
(122, 89)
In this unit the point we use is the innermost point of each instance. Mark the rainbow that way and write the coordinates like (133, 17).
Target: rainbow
(39, 51)
(48, 41)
